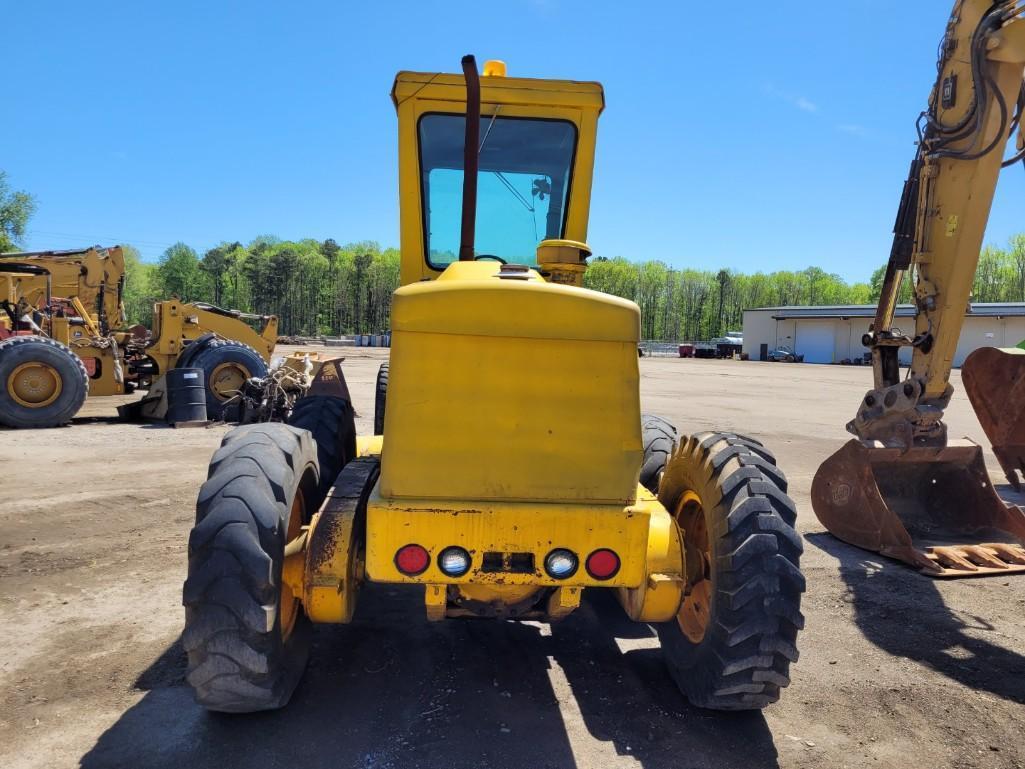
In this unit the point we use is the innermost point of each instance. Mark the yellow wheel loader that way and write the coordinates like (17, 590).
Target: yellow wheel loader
(901, 487)
(514, 468)
(70, 304)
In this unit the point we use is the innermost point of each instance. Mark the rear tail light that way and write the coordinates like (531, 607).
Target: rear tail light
(561, 563)
(602, 564)
(412, 560)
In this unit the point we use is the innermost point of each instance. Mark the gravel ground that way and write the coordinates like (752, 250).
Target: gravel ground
(896, 670)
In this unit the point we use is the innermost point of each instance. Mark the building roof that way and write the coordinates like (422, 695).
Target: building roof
(978, 309)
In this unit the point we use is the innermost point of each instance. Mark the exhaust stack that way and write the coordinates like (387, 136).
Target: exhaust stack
(471, 150)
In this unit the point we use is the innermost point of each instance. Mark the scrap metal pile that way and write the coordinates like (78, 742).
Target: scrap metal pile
(271, 398)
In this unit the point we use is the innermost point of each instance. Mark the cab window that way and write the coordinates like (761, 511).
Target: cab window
(522, 185)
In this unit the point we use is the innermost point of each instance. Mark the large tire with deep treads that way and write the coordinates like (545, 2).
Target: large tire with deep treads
(246, 636)
(331, 422)
(732, 642)
(659, 440)
(42, 382)
(226, 365)
(380, 398)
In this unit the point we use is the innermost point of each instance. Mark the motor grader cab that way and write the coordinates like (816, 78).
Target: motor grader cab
(69, 306)
(515, 469)
(901, 487)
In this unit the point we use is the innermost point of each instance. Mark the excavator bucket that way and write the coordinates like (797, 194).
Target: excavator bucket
(994, 379)
(933, 508)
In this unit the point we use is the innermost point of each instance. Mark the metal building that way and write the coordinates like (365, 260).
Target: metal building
(832, 334)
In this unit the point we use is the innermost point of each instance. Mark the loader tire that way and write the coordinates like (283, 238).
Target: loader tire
(226, 365)
(42, 383)
(380, 398)
(731, 644)
(659, 439)
(246, 636)
(331, 423)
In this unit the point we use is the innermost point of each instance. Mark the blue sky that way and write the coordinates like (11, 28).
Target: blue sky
(766, 136)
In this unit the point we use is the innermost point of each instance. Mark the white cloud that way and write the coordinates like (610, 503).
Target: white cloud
(802, 103)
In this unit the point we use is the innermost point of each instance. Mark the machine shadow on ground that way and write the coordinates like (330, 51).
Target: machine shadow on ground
(903, 613)
(394, 691)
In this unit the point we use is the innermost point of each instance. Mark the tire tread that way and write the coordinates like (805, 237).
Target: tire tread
(744, 659)
(236, 659)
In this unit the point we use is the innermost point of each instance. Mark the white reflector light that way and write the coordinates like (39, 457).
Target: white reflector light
(560, 564)
(454, 561)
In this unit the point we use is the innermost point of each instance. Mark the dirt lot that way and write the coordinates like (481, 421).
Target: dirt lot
(896, 670)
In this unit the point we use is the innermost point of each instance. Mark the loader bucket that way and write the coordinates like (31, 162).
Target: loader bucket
(995, 382)
(931, 507)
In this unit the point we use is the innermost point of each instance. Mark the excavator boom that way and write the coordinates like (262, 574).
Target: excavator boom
(900, 487)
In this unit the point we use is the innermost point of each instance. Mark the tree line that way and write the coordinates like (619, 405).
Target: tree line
(318, 288)
(323, 288)
(314, 287)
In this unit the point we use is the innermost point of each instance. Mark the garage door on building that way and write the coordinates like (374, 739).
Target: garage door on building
(815, 340)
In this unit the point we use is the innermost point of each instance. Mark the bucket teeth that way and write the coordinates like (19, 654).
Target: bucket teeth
(966, 560)
(1010, 553)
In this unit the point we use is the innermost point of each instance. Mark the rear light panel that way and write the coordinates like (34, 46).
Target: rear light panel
(455, 561)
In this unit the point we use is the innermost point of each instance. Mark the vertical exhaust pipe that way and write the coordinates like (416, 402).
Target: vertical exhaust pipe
(471, 149)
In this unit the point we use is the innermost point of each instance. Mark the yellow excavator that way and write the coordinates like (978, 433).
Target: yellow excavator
(63, 335)
(902, 487)
(515, 469)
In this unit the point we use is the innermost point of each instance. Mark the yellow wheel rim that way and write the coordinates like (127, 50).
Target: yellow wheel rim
(695, 611)
(290, 604)
(227, 379)
(34, 385)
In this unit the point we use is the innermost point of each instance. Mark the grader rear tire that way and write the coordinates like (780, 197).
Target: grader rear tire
(246, 635)
(331, 422)
(659, 440)
(380, 398)
(42, 383)
(732, 642)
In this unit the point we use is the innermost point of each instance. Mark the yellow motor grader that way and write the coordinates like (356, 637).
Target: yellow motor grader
(515, 469)
(63, 336)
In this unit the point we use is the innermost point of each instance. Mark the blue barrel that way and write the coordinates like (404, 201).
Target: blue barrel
(186, 395)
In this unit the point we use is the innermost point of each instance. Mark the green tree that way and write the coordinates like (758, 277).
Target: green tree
(905, 294)
(215, 265)
(179, 274)
(16, 208)
(140, 291)
(1017, 257)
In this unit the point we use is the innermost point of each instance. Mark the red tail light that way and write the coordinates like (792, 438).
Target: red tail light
(602, 564)
(412, 560)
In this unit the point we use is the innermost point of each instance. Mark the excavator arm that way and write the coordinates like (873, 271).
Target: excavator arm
(974, 109)
(901, 487)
